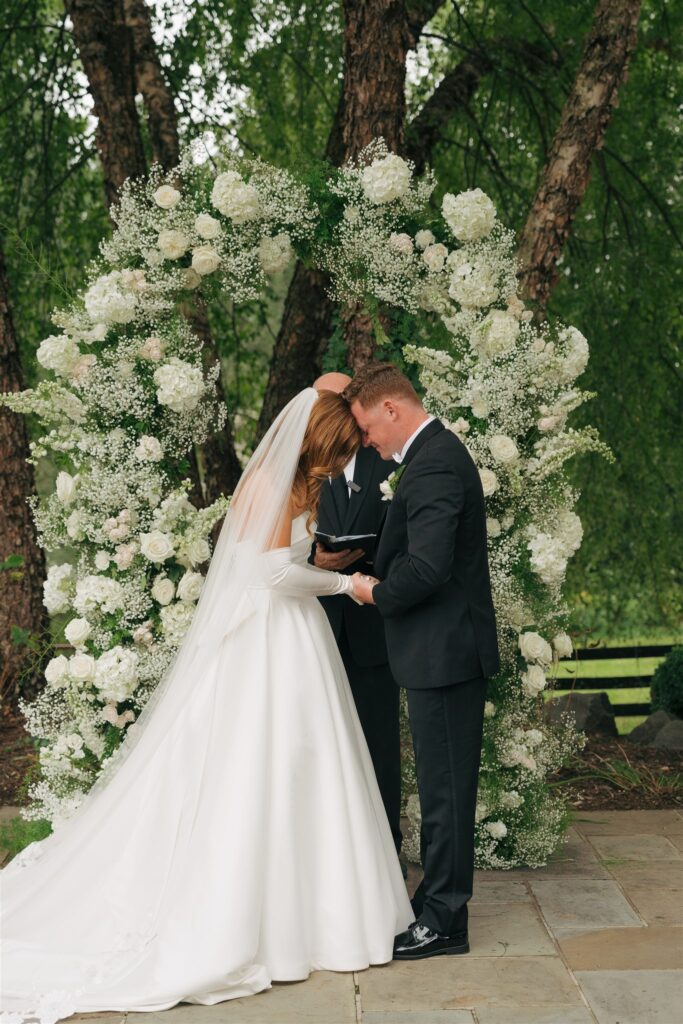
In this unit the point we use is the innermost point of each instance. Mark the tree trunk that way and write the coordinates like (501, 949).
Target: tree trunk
(21, 596)
(581, 131)
(221, 466)
(105, 46)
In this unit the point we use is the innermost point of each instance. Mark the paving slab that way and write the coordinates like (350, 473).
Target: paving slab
(576, 856)
(633, 997)
(534, 1015)
(637, 847)
(623, 949)
(500, 892)
(658, 874)
(583, 905)
(616, 823)
(326, 996)
(419, 1017)
(676, 840)
(657, 906)
(445, 983)
(508, 929)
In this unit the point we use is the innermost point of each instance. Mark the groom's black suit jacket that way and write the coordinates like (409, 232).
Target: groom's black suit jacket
(362, 512)
(435, 594)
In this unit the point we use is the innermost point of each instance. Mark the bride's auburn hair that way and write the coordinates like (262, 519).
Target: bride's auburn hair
(331, 439)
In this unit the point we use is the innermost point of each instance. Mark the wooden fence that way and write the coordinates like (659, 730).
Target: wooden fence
(607, 683)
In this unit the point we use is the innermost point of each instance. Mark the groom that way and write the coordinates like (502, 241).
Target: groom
(435, 600)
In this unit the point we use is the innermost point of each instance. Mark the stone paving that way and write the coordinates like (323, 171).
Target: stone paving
(594, 938)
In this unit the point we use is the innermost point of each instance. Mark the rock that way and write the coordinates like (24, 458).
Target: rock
(593, 711)
(647, 730)
(670, 737)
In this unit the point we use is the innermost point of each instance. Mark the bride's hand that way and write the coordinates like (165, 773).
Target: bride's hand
(362, 587)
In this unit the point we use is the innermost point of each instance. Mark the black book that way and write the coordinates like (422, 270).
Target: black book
(352, 541)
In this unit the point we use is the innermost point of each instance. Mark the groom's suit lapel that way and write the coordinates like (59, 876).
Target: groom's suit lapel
(430, 431)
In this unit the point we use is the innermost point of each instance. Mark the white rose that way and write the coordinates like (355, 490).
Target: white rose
(163, 590)
(156, 546)
(205, 260)
(402, 242)
(207, 226)
(479, 407)
(434, 257)
(535, 648)
(424, 238)
(469, 215)
(190, 586)
(497, 829)
(386, 179)
(387, 491)
(77, 632)
(149, 449)
(191, 279)
(493, 528)
(82, 667)
(197, 551)
(124, 555)
(533, 681)
(152, 348)
(503, 449)
(489, 709)
(56, 670)
(173, 244)
(489, 481)
(511, 800)
(460, 427)
(143, 634)
(563, 645)
(66, 487)
(166, 197)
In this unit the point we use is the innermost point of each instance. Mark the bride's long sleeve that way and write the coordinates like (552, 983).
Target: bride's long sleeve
(286, 576)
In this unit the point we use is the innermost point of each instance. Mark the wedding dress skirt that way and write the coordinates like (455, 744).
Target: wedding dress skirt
(252, 846)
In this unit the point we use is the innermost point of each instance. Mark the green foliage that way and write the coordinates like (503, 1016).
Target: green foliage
(16, 834)
(667, 684)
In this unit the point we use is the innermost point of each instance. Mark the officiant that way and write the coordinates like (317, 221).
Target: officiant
(352, 504)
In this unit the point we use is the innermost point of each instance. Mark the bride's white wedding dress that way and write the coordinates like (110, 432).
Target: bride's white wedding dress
(250, 846)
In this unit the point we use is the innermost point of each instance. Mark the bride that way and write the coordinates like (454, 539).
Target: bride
(237, 836)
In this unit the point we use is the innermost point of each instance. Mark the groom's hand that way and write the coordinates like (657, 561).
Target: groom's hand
(362, 587)
(335, 560)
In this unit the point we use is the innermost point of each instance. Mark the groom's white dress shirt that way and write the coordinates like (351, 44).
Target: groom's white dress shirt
(400, 456)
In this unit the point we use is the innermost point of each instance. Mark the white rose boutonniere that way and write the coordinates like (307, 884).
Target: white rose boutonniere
(388, 486)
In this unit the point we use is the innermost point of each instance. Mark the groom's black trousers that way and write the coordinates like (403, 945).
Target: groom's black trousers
(446, 724)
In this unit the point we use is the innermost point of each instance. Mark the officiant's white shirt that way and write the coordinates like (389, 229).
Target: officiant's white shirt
(400, 456)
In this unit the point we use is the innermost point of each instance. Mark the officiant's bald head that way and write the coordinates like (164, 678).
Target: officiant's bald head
(332, 382)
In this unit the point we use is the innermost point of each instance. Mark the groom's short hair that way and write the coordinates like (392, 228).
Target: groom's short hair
(377, 381)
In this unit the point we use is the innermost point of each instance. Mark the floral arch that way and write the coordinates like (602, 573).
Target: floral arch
(126, 397)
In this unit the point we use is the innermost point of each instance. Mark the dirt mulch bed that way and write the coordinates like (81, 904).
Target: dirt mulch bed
(615, 774)
(17, 755)
(609, 773)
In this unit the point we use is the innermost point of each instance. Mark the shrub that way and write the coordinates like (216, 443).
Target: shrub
(667, 684)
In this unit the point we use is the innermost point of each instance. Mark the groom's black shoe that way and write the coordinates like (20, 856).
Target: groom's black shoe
(419, 942)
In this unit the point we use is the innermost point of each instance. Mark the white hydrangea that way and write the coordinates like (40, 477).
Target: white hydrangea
(547, 557)
(107, 300)
(576, 359)
(59, 354)
(386, 179)
(234, 198)
(568, 531)
(434, 257)
(116, 674)
(180, 385)
(470, 215)
(472, 282)
(275, 253)
(58, 588)
(496, 829)
(496, 335)
(98, 593)
(176, 619)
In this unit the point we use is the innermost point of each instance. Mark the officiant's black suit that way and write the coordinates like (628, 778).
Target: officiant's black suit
(435, 599)
(359, 630)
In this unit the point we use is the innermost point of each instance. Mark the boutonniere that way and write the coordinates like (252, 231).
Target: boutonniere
(388, 486)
